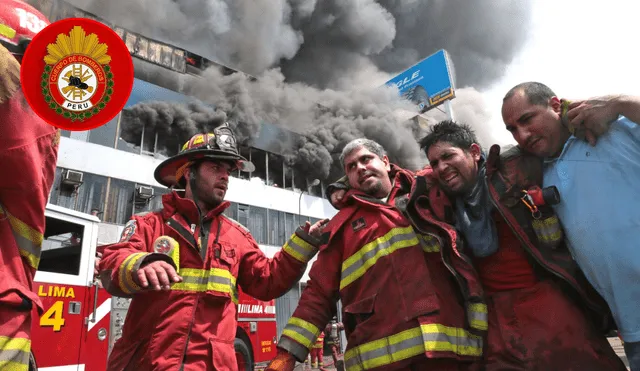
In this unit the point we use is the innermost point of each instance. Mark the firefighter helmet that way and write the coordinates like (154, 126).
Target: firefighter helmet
(219, 145)
(19, 23)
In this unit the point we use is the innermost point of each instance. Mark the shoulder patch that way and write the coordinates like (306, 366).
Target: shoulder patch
(128, 231)
(237, 224)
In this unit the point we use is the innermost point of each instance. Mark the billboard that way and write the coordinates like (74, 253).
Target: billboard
(427, 83)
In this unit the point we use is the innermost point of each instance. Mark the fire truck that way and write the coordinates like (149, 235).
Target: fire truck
(81, 321)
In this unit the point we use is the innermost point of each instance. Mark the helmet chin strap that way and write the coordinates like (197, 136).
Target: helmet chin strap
(193, 179)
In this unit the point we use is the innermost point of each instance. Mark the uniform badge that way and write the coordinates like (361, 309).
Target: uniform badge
(77, 74)
(128, 231)
(164, 245)
(358, 224)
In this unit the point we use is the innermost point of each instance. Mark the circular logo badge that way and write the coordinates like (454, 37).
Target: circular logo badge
(77, 74)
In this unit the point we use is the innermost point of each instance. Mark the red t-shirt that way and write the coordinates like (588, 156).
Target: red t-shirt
(508, 268)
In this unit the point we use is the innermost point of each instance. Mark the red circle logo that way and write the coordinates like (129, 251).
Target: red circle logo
(77, 74)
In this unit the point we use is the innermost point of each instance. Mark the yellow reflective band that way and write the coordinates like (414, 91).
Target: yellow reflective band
(127, 283)
(357, 264)
(478, 317)
(200, 280)
(429, 243)
(548, 229)
(14, 354)
(410, 343)
(300, 249)
(303, 332)
(7, 31)
(28, 239)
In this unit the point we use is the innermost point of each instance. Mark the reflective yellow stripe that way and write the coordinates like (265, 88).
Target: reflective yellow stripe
(301, 331)
(478, 317)
(28, 239)
(200, 280)
(127, 284)
(548, 230)
(300, 249)
(410, 343)
(14, 353)
(429, 243)
(357, 264)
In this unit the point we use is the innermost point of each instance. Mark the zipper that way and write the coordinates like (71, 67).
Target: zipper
(528, 248)
(464, 289)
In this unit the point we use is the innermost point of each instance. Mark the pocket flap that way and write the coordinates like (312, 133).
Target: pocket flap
(363, 306)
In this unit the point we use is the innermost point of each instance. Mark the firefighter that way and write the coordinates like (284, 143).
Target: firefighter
(317, 352)
(28, 155)
(182, 265)
(402, 308)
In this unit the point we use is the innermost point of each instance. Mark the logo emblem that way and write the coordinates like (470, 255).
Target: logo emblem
(164, 245)
(358, 224)
(128, 231)
(77, 74)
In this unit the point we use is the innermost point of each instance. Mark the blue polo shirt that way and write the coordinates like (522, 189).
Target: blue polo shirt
(600, 211)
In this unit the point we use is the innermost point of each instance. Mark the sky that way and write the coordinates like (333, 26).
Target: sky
(579, 49)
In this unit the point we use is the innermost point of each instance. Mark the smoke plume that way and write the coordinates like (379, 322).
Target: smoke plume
(317, 63)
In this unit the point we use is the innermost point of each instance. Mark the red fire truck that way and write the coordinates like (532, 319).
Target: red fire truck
(81, 321)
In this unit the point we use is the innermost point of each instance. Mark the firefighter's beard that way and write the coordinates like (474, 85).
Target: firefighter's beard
(209, 196)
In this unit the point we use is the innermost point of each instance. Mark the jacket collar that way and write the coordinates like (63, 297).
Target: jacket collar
(176, 203)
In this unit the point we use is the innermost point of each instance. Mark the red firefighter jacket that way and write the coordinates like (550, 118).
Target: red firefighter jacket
(507, 176)
(399, 300)
(194, 324)
(28, 155)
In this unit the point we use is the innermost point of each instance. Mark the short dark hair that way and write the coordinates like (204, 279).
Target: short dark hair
(460, 135)
(537, 93)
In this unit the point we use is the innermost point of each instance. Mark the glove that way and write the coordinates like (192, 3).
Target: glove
(284, 361)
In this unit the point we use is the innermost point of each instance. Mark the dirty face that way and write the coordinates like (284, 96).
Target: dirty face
(536, 128)
(456, 169)
(367, 172)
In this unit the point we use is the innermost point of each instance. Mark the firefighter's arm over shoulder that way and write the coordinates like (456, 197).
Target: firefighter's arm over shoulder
(268, 278)
(121, 261)
(317, 304)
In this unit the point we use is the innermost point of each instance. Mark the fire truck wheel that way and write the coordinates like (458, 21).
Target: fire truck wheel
(243, 355)
(32, 363)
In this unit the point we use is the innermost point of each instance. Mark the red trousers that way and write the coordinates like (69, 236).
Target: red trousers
(540, 328)
(15, 346)
(316, 355)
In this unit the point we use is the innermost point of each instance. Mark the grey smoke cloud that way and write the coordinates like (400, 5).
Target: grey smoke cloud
(309, 52)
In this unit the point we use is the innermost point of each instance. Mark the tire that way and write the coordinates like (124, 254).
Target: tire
(32, 363)
(340, 365)
(244, 358)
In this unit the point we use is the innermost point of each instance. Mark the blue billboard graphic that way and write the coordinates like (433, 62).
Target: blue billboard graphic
(427, 83)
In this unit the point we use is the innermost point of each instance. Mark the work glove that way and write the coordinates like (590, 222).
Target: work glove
(284, 361)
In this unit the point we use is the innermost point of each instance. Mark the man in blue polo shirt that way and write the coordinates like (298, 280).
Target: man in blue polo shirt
(599, 185)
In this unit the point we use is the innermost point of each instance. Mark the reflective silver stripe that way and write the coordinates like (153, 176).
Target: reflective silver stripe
(356, 265)
(478, 317)
(127, 284)
(388, 354)
(300, 249)
(28, 239)
(301, 331)
(409, 343)
(14, 356)
(429, 243)
(199, 280)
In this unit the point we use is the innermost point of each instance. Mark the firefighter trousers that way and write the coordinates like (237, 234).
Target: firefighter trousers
(316, 357)
(540, 328)
(15, 343)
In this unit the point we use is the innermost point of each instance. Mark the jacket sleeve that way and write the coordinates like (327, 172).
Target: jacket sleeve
(317, 304)
(121, 261)
(267, 279)
(28, 155)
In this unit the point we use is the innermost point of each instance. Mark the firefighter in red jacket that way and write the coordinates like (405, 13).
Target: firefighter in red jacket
(543, 313)
(403, 308)
(28, 154)
(317, 353)
(182, 266)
